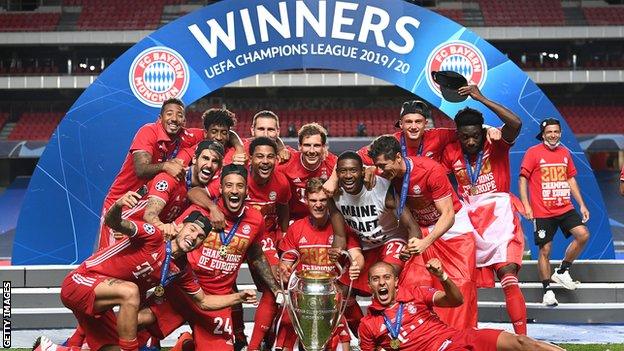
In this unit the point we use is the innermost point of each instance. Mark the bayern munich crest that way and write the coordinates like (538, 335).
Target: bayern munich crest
(157, 74)
(458, 56)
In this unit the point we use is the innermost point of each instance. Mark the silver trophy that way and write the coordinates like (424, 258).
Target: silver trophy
(314, 302)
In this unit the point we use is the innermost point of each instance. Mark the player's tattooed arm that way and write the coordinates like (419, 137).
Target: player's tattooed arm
(145, 169)
(152, 210)
(113, 217)
(338, 224)
(258, 263)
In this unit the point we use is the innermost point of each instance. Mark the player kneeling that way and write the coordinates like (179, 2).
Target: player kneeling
(411, 324)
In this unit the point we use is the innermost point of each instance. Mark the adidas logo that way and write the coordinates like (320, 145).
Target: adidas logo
(155, 255)
(542, 161)
(458, 164)
(297, 180)
(303, 240)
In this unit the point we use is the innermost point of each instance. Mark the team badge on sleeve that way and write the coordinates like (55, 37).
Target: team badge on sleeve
(162, 185)
(149, 229)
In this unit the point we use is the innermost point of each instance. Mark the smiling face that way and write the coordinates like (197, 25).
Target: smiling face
(266, 127)
(191, 236)
(389, 168)
(172, 119)
(383, 283)
(552, 134)
(263, 162)
(413, 125)
(311, 148)
(206, 165)
(216, 132)
(350, 175)
(234, 191)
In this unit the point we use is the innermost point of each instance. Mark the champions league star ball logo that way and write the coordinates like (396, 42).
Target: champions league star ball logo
(157, 74)
(457, 56)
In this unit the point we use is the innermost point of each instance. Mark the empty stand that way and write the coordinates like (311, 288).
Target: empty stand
(594, 119)
(35, 126)
(117, 15)
(604, 16)
(28, 21)
(456, 15)
(522, 13)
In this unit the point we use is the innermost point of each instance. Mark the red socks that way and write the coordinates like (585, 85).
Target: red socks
(265, 314)
(516, 307)
(128, 345)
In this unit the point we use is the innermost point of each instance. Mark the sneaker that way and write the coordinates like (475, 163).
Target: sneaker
(43, 343)
(549, 299)
(564, 279)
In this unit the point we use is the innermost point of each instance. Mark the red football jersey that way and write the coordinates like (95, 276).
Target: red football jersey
(548, 172)
(433, 141)
(312, 244)
(428, 183)
(298, 176)
(421, 329)
(138, 259)
(153, 139)
(216, 274)
(168, 189)
(494, 175)
(622, 175)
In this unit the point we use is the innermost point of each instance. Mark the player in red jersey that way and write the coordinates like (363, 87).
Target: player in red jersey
(312, 160)
(622, 181)
(122, 274)
(218, 123)
(447, 232)
(269, 192)
(166, 196)
(312, 238)
(155, 149)
(265, 123)
(216, 264)
(402, 318)
(481, 168)
(548, 171)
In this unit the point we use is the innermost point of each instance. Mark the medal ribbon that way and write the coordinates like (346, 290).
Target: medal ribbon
(175, 151)
(164, 272)
(474, 176)
(404, 146)
(225, 239)
(395, 328)
(404, 186)
(189, 177)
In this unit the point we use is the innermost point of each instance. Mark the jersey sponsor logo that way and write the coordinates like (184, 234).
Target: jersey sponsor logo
(246, 229)
(303, 240)
(458, 56)
(162, 185)
(297, 180)
(154, 255)
(272, 195)
(149, 229)
(157, 74)
(542, 161)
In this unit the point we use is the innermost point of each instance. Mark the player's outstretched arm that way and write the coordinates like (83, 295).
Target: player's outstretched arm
(452, 296)
(216, 302)
(113, 217)
(257, 261)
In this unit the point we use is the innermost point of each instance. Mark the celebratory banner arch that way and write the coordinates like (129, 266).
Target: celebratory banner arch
(392, 40)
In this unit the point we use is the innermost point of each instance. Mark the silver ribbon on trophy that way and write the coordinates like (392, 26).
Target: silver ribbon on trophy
(314, 302)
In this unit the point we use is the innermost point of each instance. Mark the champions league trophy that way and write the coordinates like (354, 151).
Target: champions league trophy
(314, 302)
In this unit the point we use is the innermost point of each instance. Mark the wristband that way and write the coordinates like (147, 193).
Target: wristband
(444, 277)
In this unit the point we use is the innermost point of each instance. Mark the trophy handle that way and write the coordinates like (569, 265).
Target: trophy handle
(292, 281)
(342, 270)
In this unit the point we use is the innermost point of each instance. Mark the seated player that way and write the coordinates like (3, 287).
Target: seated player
(121, 275)
(312, 237)
(402, 318)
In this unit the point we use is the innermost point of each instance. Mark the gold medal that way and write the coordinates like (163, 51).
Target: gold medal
(473, 190)
(159, 291)
(223, 251)
(395, 344)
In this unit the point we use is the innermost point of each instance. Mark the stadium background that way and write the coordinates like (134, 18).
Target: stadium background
(50, 51)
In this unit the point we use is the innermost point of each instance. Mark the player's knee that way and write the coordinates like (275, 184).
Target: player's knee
(583, 236)
(544, 252)
(129, 294)
(511, 268)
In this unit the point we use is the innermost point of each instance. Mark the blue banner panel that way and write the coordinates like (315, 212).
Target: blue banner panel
(230, 40)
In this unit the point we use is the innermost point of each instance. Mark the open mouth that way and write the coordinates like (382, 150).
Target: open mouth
(265, 170)
(173, 127)
(189, 242)
(205, 174)
(312, 157)
(348, 184)
(234, 201)
(383, 294)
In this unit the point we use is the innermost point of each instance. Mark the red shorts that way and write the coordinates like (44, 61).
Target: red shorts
(287, 338)
(210, 328)
(78, 294)
(474, 340)
(388, 252)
